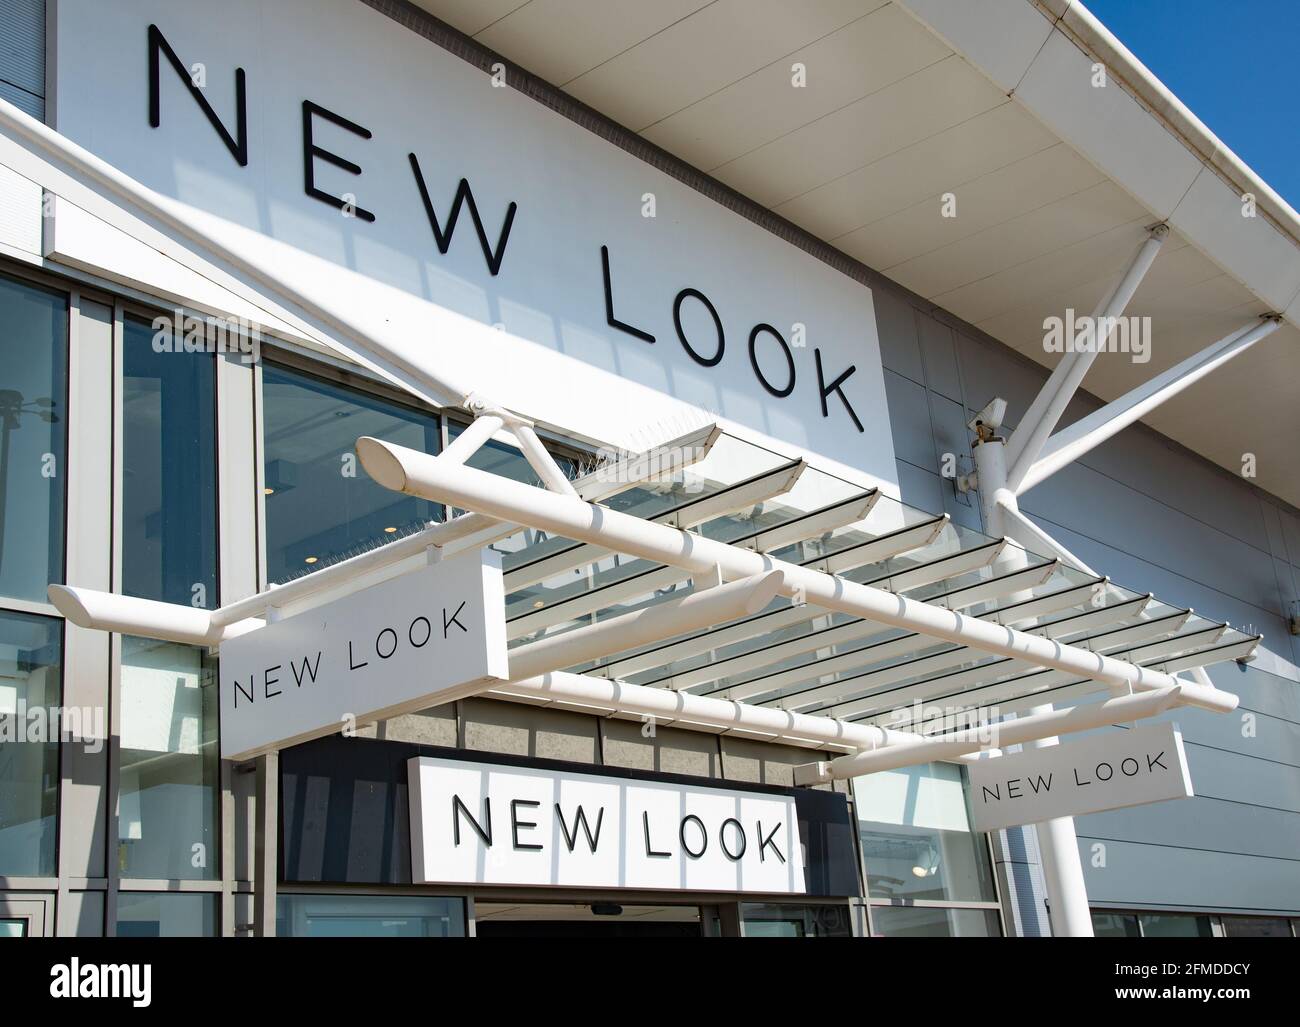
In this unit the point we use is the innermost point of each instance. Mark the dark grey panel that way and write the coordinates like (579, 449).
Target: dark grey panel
(920, 488)
(909, 416)
(896, 323)
(1147, 876)
(939, 356)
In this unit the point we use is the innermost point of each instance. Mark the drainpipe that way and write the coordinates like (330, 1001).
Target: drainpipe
(1067, 895)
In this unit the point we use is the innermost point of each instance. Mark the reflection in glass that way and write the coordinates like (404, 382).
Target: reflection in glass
(916, 838)
(779, 920)
(321, 506)
(1256, 927)
(166, 915)
(1175, 925)
(369, 916)
(169, 477)
(33, 426)
(30, 687)
(1115, 925)
(167, 807)
(933, 922)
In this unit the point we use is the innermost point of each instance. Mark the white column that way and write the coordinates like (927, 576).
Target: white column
(1067, 895)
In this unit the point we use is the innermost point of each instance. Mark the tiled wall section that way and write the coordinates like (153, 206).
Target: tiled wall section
(1155, 518)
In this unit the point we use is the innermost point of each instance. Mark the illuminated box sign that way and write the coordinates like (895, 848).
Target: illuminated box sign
(425, 638)
(1108, 771)
(481, 823)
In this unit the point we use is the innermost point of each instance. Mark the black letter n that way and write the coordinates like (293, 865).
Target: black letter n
(238, 148)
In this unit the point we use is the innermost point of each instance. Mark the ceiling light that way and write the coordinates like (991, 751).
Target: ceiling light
(311, 559)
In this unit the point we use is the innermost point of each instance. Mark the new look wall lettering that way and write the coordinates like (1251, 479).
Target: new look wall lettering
(710, 350)
(370, 176)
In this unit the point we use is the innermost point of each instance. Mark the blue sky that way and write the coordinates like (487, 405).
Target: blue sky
(1233, 62)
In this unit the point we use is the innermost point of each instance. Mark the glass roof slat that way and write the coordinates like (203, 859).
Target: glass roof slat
(1143, 631)
(812, 525)
(895, 543)
(560, 611)
(1093, 619)
(1237, 650)
(942, 569)
(532, 566)
(1173, 646)
(996, 588)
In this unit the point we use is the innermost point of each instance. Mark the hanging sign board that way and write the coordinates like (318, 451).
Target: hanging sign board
(1108, 771)
(419, 640)
(481, 823)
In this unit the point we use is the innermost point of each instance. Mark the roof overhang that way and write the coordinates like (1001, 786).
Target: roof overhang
(1056, 180)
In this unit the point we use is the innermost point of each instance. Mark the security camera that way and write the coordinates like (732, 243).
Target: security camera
(989, 420)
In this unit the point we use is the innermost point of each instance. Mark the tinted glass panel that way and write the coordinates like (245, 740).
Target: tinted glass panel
(30, 688)
(1255, 927)
(916, 836)
(169, 483)
(33, 425)
(933, 922)
(1175, 925)
(166, 915)
(1115, 925)
(369, 916)
(777, 920)
(320, 505)
(167, 811)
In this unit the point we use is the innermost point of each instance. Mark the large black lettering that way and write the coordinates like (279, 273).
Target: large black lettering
(786, 389)
(307, 670)
(610, 319)
(310, 153)
(236, 144)
(825, 390)
(464, 195)
(571, 837)
(765, 843)
(717, 324)
(459, 809)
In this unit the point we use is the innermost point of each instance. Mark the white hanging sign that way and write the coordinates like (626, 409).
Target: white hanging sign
(419, 640)
(1107, 771)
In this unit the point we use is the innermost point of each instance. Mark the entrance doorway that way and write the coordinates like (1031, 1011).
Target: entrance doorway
(595, 920)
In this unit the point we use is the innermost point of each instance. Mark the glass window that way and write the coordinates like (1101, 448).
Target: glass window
(369, 916)
(321, 506)
(169, 475)
(916, 837)
(777, 920)
(166, 915)
(1115, 925)
(1175, 925)
(13, 928)
(933, 922)
(1256, 927)
(167, 806)
(31, 650)
(33, 426)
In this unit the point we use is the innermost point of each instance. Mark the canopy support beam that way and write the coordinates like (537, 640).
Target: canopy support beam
(1091, 431)
(1045, 412)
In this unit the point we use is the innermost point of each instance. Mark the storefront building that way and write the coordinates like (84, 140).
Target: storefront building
(751, 277)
